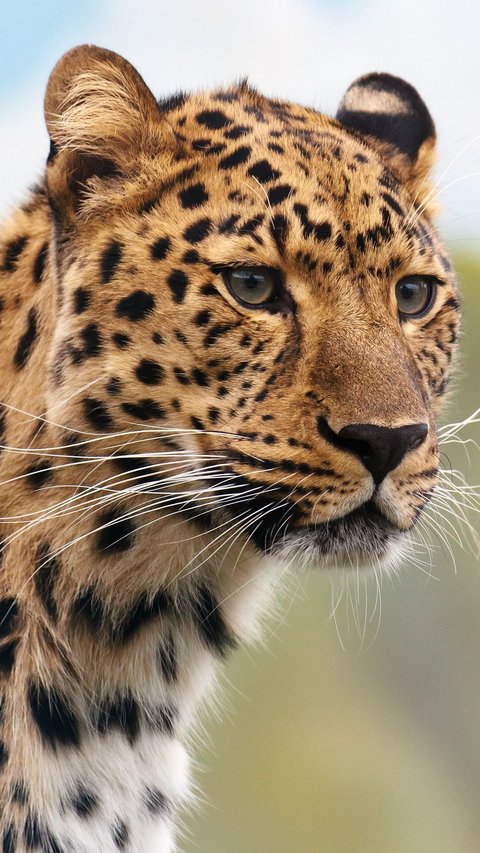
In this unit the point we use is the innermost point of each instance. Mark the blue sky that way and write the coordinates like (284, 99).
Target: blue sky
(307, 50)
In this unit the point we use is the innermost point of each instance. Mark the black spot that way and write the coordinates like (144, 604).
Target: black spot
(213, 414)
(200, 377)
(12, 254)
(36, 835)
(97, 414)
(3, 754)
(144, 410)
(162, 719)
(113, 386)
(20, 793)
(213, 119)
(149, 372)
(279, 231)
(141, 611)
(136, 465)
(216, 332)
(160, 249)
(136, 306)
(8, 615)
(168, 659)
(88, 606)
(251, 225)
(197, 423)
(181, 337)
(237, 131)
(155, 801)
(120, 340)
(193, 196)
(279, 193)
(55, 720)
(236, 158)
(198, 231)
(32, 833)
(173, 102)
(263, 172)
(25, 344)
(202, 318)
(39, 264)
(191, 256)
(120, 834)
(38, 474)
(157, 338)
(92, 342)
(181, 376)
(73, 443)
(210, 623)
(81, 300)
(209, 290)
(84, 802)
(47, 570)
(227, 226)
(9, 839)
(393, 204)
(215, 149)
(177, 282)
(320, 231)
(122, 714)
(109, 261)
(116, 533)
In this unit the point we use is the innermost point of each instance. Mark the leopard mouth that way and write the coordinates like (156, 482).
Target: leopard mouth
(361, 538)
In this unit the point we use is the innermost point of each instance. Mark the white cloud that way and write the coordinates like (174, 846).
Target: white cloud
(298, 49)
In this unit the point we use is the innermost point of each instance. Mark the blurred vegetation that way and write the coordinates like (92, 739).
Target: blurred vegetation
(331, 744)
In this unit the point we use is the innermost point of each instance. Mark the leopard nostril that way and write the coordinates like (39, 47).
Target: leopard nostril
(381, 449)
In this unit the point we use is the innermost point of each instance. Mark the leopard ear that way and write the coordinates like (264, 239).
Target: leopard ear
(390, 111)
(101, 118)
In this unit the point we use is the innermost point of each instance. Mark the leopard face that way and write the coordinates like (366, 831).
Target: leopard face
(264, 287)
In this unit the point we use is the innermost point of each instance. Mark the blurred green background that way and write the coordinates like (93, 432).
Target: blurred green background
(330, 743)
(326, 743)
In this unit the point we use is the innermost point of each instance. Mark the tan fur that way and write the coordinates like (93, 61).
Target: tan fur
(264, 381)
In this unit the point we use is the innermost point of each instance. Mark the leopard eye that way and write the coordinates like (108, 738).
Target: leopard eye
(415, 296)
(252, 286)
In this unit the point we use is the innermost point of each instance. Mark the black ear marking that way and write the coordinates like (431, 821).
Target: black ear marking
(390, 109)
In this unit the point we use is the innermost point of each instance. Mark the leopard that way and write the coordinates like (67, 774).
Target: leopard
(228, 326)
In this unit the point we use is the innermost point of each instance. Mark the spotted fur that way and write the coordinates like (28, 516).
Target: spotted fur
(164, 447)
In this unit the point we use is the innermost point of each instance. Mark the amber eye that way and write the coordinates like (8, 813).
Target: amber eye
(252, 286)
(415, 295)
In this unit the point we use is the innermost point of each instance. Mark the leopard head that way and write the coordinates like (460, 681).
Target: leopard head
(264, 287)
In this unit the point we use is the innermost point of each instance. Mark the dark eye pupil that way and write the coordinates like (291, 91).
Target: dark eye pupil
(408, 291)
(252, 281)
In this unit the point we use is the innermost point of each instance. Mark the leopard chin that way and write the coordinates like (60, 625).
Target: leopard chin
(362, 539)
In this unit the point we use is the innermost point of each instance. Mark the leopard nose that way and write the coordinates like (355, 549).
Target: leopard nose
(381, 449)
